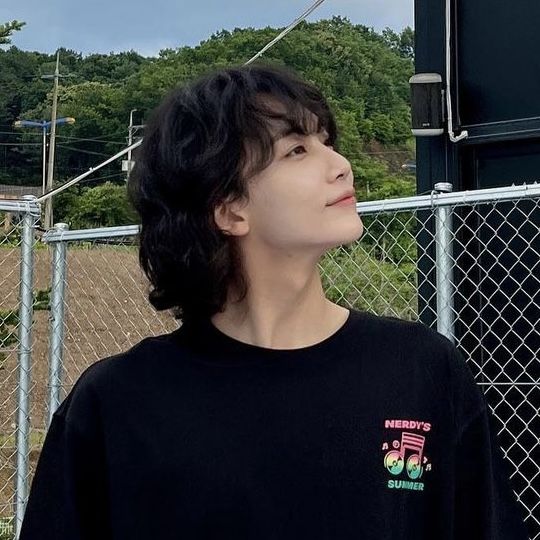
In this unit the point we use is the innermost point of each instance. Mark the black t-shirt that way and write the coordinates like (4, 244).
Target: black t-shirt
(378, 432)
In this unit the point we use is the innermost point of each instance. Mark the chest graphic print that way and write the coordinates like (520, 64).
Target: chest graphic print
(405, 458)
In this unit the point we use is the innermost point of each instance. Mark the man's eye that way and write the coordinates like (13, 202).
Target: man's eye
(300, 149)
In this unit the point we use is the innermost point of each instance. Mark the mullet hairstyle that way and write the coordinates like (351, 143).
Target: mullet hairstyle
(201, 147)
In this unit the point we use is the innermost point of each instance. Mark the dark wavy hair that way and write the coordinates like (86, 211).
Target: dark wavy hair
(201, 147)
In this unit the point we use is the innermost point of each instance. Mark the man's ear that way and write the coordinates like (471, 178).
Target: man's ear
(232, 217)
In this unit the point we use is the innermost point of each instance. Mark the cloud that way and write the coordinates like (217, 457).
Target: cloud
(396, 14)
(105, 26)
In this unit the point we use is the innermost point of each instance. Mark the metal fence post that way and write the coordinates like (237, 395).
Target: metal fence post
(444, 265)
(25, 366)
(56, 319)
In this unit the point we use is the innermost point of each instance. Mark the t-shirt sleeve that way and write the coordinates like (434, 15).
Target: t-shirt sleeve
(68, 495)
(486, 507)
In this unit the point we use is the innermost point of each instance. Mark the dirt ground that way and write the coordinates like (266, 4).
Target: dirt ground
(106, 312)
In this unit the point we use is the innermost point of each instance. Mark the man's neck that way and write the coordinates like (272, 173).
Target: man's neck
(282, 310)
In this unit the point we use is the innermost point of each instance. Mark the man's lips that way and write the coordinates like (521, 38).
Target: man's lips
(345, 198)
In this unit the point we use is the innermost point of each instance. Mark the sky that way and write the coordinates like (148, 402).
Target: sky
(147, 26)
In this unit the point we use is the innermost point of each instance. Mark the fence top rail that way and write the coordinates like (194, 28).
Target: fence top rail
(27, 205)
(458, 198)
(82, 235)
(417, 202)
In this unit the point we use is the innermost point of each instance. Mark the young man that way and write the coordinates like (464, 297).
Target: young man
(271, 413)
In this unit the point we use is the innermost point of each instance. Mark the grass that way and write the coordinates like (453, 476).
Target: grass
(6, 528)
(9, 440)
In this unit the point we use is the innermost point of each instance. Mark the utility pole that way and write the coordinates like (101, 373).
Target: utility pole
(50, 167)
(127, 164)
(44, 161)
(130, 142)
(44, 125)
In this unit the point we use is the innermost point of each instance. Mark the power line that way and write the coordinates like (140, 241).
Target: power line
(125, 151)
(90, 139)
(20, 144)
(106, 177)
(88, 180)
(81, 150)
(19, 133)
(77, 179)
(282, 34)
(97, 139)
(100, 137)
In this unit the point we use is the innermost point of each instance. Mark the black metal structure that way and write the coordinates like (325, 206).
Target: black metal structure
(495, 90)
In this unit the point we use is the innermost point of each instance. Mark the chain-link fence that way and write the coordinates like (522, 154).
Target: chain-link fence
(464, 263)
(98, 302)
(9, 323)
(467, 264)
(19, 445)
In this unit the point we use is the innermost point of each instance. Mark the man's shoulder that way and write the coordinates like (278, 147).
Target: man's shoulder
(108, 374)
(417, 353)
(150, 348)
(404, 331)
(410, 346)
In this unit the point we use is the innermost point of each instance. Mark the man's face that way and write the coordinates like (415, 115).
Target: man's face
(289, 208)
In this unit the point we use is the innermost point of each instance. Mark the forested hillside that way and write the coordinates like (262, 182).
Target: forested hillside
(363, 73)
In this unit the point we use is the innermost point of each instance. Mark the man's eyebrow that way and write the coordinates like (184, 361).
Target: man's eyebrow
(286, 132)
(290, 130)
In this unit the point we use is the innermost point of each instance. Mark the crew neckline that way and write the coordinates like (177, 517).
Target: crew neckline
(222, 348)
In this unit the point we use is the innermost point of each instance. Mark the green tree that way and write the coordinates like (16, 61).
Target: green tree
(9, 321)
(7, 29)
(98, 133)
(353, 65)
(364, 75)
(21, 90)
(106, 205)
(402, 43)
